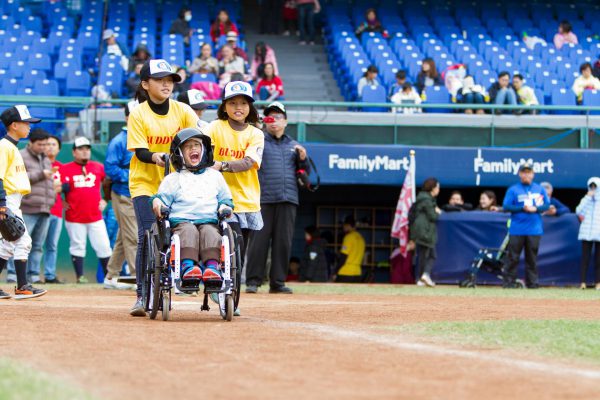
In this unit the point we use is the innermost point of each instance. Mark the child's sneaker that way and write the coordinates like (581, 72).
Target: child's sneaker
(211, 274)
(28, 292)
(4, 295)
(192, 273)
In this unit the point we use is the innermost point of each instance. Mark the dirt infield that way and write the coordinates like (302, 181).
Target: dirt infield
(287, 347)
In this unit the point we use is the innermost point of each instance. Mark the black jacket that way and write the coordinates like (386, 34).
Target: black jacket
(495, 88)
(420, 84)
(313, 266)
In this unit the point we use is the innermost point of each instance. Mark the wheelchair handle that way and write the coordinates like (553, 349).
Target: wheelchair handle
(165, 158)
(164, 212)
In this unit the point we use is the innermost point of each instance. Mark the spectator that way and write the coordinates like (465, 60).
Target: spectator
(585, 81)
(488, 202)
(270, 87)
(181, 26)
(588, 211)
(232, 40)
(111, 46)
(56, 217)
(262, 54)
(306, 12)
(525, 201)
(222, 26)
(397, 86)
(428, 76)
(290, 18)
(205, 63)
(229, 64)
(194, 99)
(556, 208)
(351, 254)
(470, 93)
(183, 85)
(270, 16)
(423, 231)
(282, 157)
(37, 204)
(456, 203)
(565, 35)
(596, 70)
(81, 180)
(116, 165)
(134, 79)
(369, 79)
(292, 275)
(502, 92)
(525, 94)
(371, 24)
(140, 55)
(314, 266)
(407, 96)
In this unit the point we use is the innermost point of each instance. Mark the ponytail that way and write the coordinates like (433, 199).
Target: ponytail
(141, 94)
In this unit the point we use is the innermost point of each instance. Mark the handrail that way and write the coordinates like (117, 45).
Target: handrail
(54, 101)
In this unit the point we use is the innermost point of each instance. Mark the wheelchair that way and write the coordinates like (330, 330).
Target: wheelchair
(162, 271)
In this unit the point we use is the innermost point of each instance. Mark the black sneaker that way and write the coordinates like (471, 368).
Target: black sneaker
(138, 309)
(28, 292)
(251, 288)
(281, 289)
(55, 281)
(4, 295)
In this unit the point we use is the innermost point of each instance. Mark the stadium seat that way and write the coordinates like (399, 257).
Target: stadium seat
(563, 97)
(32, 75)
(374, 94)
(437, 95)
(40, 62)
(78, 83)
(46, 87)
(591, 98)
(204, 78)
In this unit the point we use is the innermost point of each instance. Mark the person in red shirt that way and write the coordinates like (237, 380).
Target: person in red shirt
(270, 86)
(81, 182)
(56, 215)
(222, 26)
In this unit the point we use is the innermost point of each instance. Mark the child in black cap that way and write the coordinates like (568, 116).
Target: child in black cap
(14, 184)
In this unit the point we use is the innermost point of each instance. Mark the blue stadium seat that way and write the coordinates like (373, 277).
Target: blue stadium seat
(10, 86)
(17, 67)
(32, 75)
(112, 80)
(42, 45)
(204, 78)
(40, 61)
(62, 70)
(591, 98)
(437, 95)
(78, 84)
(374, 94)
(563, 97)
(46, 87)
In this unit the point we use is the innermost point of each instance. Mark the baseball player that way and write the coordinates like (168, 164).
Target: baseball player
(194, 99)
(14, 184)
(81, 180)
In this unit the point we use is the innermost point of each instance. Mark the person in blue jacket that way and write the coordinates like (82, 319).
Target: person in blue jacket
(116, 166)
(526, 201)
(557, 208)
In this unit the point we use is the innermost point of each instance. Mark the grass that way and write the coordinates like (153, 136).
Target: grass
(559, 338)
(447, 290)
(18, 381)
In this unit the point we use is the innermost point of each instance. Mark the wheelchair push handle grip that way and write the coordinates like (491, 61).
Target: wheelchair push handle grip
(164, 212)
(165, 158)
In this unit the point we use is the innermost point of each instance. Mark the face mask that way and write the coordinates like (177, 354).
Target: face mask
(188, 17)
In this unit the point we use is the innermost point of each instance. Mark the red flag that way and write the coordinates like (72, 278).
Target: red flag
(406, 199)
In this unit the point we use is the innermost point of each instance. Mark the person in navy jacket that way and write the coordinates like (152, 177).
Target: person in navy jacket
(557, 208)
(116, 166)
(526, 201)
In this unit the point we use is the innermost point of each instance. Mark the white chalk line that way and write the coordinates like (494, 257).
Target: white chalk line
(398, 343)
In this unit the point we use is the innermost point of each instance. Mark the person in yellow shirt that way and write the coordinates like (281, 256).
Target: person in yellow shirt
(14, 184)
(150, 130)
(351, 254)
(238, 150)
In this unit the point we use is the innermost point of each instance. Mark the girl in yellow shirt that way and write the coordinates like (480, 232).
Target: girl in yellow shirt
(150, 129)
(238, 149)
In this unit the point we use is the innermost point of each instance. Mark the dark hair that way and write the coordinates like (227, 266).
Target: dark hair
(371, 68)
(38, 134)
(491, 195)
(349, 220)
(518, 76)
(264, 75)
(252, 117)
(401, 74)
(369, 10)
(215, 29)
(406, 86)
(312, 231)
(182, 12)
(141, 94)
(456, 192)
(584, 66)
(260, 52)
(503, 73)
(565, 26)
(432, 73)
(57, 139)
(294, 260)
(430, 184)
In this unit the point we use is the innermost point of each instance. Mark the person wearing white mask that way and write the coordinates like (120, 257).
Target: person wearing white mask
(588, 212)
(181, 26)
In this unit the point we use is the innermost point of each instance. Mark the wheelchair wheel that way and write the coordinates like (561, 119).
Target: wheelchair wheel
(156, 292)
(147, 265)
(166, 305)
(229, 307)
(236, 266)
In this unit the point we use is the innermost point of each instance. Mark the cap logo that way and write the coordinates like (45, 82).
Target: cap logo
(159, 66)
(23, 112)
(238, 87)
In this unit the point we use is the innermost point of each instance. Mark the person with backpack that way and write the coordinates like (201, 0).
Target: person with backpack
(422, 218)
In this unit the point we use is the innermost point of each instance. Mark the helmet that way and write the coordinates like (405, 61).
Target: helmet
(177, 156)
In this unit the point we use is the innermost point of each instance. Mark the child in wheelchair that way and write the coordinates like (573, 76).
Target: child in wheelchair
(196, 196)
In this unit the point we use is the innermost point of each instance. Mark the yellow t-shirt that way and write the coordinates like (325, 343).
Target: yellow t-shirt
(231, 145)
(148, 130)
(12, 169)
(354, 247)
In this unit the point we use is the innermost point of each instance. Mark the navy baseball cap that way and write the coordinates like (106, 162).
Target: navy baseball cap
(525, 167)
(18, 113)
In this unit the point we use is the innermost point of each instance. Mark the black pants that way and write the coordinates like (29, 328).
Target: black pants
(516, 243)
(145, 218)
(270, 16)
(348, 279)
(277, 233)
(425, 259)
(586, 255)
